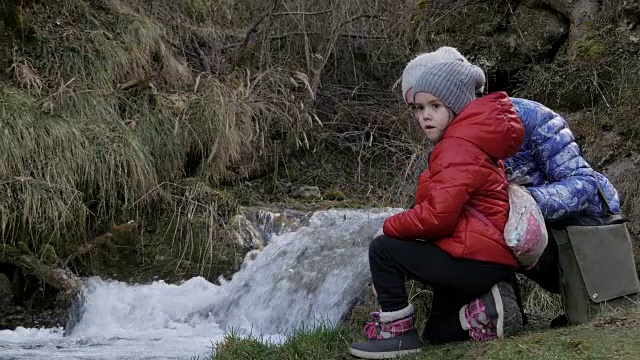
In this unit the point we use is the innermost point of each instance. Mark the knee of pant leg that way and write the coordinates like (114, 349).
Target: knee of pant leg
(379, 243)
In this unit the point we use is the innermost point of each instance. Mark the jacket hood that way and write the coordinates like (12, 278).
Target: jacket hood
(492, 124)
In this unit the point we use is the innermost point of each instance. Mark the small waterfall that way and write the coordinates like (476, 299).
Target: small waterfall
(309, 275)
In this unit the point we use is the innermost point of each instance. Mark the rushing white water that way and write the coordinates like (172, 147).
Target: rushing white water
(126, 322)
(302, 278)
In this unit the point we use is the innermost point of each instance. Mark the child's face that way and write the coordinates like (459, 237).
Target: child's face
(431, 115)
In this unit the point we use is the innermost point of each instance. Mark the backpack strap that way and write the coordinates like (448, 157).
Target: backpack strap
(480, 217)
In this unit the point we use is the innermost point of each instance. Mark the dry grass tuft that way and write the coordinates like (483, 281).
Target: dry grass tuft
(538, 301)
(63, 162)
(27, 76)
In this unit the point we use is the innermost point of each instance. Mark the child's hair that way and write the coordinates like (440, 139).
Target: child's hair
(453, 82)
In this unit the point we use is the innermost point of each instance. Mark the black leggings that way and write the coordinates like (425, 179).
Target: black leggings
(455, 282)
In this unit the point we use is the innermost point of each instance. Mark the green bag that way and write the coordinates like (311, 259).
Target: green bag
(597, 268)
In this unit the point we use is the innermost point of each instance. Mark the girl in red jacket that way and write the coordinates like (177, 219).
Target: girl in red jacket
(452, 237)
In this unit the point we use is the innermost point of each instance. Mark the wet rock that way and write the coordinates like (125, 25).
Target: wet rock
(15, 316)
(531, 34)
(249, 257)
(245, 233)
(253, 227)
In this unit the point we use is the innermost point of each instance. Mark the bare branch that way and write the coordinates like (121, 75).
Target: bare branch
(302, 33)
(303, 13)
(370, 16)
(203, 58)
(135, 83)
(229, 46)
(251, 31)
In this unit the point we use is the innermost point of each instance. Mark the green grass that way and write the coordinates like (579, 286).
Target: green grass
(612, 336)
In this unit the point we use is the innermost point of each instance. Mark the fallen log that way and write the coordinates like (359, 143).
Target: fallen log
(51, 273)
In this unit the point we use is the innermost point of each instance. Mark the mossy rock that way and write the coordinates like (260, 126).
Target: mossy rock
(590, 49)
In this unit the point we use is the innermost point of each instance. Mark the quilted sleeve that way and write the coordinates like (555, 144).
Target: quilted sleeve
(571, 181)
(450, 184)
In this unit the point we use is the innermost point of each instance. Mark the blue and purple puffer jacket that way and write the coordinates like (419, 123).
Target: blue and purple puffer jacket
(550, 165)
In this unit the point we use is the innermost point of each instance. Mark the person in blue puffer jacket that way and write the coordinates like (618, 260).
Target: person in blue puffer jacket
(549, 165)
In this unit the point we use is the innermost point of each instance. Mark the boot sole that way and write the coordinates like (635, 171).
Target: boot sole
(383, 354)
(505, 297)
(497, 298)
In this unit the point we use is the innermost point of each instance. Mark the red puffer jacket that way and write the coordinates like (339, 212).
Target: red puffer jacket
(462, 170)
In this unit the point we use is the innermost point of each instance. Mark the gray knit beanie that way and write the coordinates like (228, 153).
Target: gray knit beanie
(454, 82)
(413, 69)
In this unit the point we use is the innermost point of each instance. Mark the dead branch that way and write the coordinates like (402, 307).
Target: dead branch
(303, 12)
(250, 32)
(317, 64)
(229, 46)
(302, 33)
(605, 159)
(357, 17)
(203, 58)
(135, 83)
